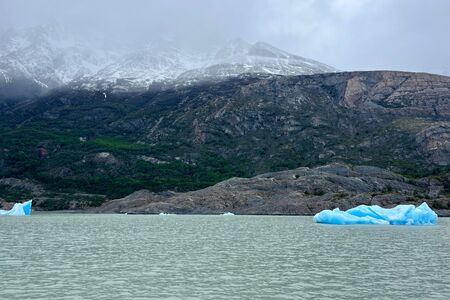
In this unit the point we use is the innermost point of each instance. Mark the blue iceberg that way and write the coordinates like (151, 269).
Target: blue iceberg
(19, 209)
(364, 214)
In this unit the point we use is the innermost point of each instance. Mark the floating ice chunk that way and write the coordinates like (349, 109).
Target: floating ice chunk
(166, 214)
(364, 214)
(227, 214)
(19, 209)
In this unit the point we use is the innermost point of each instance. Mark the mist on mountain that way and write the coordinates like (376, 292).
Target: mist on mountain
(349, 35)
(40, 58)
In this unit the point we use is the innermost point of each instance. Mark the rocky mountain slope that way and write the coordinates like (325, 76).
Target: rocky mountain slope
(182, 138)
(38, 59)
(301, 191)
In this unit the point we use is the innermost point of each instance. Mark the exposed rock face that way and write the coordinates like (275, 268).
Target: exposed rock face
(435, 142)
(105, 158)
(151, 159)
(408, 112)
(401, 92)
(302, 191)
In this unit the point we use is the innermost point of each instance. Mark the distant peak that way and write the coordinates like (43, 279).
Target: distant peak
(263, 44)
(240, 48)
(238, 42)
(267, 46)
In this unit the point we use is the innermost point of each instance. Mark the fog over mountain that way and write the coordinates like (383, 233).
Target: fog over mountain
(40, 58)
(346, 34)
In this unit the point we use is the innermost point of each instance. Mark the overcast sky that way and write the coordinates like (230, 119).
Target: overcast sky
(408, 35)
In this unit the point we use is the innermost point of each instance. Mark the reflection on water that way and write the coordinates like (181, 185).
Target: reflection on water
(211, 257)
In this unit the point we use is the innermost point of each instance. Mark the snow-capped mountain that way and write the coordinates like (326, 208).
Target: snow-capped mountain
(45, 57)
(240, 57)
(158, 61)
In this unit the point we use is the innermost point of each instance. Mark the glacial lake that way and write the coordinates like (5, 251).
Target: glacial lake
(88, 256)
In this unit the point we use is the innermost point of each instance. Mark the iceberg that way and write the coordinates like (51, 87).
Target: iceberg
(374, 214)
(19, 209)
(227, 214)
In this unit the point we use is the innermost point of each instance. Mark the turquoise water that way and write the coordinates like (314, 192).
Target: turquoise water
(76, 256)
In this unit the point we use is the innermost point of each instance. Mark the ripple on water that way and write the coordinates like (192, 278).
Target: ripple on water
(190, 257)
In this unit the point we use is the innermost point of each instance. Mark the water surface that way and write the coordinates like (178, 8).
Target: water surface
(78, 256)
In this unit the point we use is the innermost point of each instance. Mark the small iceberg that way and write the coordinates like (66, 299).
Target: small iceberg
(19, 209)
(166, 214)
(364, 214)
(227, 214)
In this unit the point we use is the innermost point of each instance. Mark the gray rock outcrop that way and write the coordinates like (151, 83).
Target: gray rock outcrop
(301, 191)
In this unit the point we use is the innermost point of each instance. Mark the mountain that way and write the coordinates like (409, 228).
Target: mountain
(41, 58)
(97, 145)
(160, 61)
(239, 57)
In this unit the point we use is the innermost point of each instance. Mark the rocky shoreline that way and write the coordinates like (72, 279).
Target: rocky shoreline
(302, 191)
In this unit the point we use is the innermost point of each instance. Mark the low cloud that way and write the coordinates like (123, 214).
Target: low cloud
(348, 34)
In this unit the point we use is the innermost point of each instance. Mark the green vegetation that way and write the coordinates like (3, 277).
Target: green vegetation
(116, 144)
(55, 201)
(70, 166)
(10, 194)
